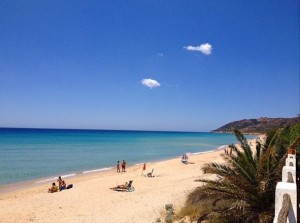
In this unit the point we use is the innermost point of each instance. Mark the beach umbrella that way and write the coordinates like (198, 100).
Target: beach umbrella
(144, 168)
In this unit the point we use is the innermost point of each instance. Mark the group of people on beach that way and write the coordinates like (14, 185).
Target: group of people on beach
(61, 186)
(228, 151)
(123, 165)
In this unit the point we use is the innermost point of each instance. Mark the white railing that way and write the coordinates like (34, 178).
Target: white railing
(286, 192)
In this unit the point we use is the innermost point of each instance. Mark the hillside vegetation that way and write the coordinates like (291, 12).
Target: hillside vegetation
(260, 125)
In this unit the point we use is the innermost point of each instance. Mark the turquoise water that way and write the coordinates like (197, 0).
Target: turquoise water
(27, 154)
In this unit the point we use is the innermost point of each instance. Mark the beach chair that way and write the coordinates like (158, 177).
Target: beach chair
(124, 188)
(150, 174)
(184, 161)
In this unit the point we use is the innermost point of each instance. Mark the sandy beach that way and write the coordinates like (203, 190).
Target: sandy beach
(91, 200)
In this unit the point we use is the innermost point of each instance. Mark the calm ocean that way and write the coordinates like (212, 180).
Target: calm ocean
(41, 154)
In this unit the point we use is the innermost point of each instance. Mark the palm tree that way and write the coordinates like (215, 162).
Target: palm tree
(244, 189)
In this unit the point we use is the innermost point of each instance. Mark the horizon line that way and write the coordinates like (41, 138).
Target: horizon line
(86, 129)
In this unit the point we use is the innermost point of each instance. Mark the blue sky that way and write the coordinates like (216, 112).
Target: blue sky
(147, 65)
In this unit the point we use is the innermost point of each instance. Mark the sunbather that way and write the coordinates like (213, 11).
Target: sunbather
(63, 185)
(59, 180)
(53, 189)
(125, 187)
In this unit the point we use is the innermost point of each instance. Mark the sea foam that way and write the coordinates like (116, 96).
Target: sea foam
(97, 170)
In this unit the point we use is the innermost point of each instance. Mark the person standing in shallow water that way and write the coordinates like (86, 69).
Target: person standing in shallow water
(124, 166)
(118, 167)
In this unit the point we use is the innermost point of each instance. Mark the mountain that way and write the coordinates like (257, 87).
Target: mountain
(260, 125)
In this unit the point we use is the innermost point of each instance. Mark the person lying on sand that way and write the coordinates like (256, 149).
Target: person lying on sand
(125, 187)
(53, 189)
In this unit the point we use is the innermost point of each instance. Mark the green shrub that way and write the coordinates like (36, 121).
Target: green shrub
(170, 213)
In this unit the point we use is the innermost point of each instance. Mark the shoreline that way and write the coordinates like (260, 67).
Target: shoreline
(16, 186)
(45, 154)
(91, 200)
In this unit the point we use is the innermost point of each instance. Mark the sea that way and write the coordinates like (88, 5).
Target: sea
(40, 155)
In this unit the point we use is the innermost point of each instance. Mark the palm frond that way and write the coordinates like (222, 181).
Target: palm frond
(243, 189)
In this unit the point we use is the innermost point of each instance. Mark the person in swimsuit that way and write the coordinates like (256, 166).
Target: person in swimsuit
(63, 185)
(124, 166)
(118, 167)
(53, 189)
(59, 180)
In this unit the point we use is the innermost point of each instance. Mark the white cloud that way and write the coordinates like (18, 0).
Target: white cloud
(150, 83)
(204, 48)
(160, 54)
